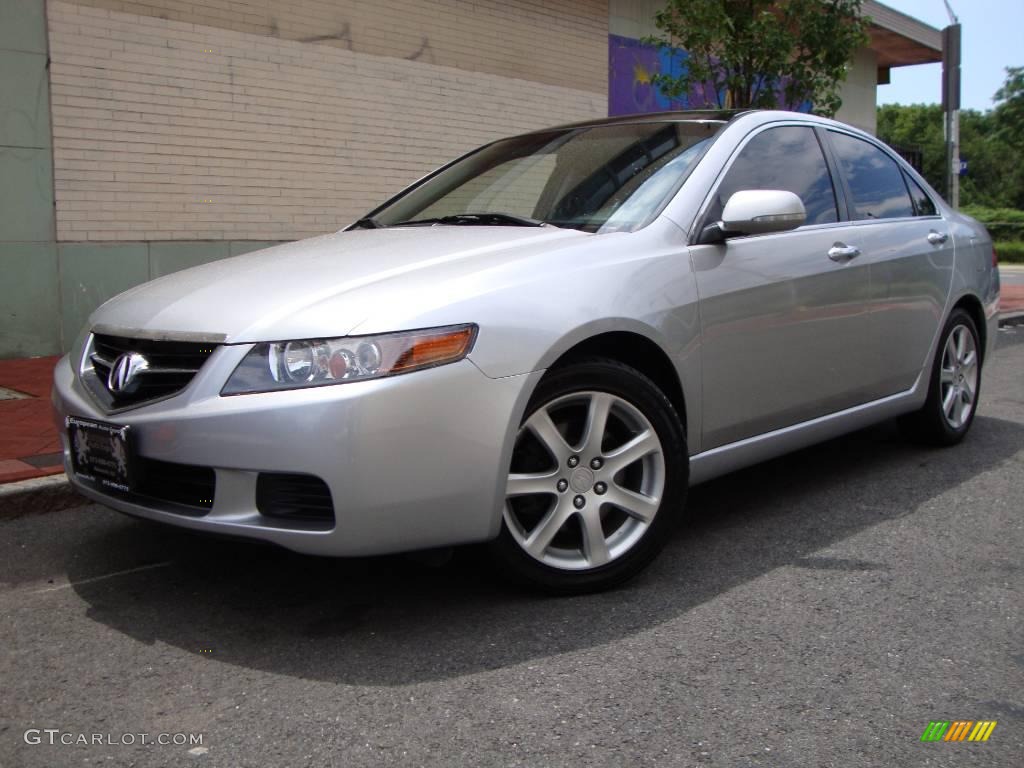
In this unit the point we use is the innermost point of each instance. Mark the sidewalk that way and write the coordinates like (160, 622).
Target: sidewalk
(1011, 299)
(1011, 289)
(30, 447)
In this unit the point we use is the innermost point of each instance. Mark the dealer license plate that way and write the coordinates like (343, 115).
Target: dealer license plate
(100, 452)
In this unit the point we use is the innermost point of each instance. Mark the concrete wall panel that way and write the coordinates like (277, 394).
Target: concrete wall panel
(165, 258)
(29, 299)
(91, 274)
(24, 100)
(26, 194)
(23, 26)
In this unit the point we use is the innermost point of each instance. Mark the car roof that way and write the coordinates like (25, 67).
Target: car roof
(675, 116)
(721, 116)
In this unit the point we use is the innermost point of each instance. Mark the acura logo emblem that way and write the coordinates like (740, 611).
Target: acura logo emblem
(123, 378)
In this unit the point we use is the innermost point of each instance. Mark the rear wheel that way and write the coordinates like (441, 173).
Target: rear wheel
(598, 471)
(954, 386)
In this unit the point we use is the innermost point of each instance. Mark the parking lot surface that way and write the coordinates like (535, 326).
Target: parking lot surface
(817, 610)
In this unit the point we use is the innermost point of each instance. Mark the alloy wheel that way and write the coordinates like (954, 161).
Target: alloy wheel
(958, 376)
(587, 478)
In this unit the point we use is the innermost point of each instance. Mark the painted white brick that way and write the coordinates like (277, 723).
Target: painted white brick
(286, 139)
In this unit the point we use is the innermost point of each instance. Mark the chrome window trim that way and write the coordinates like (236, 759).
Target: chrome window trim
(903, 219)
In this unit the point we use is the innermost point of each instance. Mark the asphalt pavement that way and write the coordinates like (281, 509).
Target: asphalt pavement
(817, 610)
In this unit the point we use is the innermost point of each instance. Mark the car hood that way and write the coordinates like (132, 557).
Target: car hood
(324, 286)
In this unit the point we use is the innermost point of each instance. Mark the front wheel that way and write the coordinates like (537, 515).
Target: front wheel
(598, 472)
(954, 386)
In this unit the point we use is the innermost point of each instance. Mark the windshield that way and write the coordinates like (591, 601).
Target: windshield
(608, 178)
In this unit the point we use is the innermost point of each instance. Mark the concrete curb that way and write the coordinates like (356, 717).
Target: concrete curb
(38, 495)
(1012, 318)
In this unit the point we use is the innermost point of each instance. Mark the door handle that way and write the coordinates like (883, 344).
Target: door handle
(937, 238)
(843, 252)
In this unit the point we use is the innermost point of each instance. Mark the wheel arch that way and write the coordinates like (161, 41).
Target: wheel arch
(637, 351)
(629, 342)
(973, 306)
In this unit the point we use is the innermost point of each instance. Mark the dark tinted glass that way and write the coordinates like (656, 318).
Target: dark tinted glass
(786, 158)
(875, 180)
(922, 203)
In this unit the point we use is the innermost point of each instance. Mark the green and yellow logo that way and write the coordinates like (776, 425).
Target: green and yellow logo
(958, 730)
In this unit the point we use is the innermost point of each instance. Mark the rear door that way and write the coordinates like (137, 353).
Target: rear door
(908, 249)
(784, 325)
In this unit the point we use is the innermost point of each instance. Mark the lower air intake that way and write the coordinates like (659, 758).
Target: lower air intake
(300, 498)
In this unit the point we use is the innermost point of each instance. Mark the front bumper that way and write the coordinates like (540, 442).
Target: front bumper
(412, 462)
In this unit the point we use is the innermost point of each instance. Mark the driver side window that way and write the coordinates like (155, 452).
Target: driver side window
(787, 158)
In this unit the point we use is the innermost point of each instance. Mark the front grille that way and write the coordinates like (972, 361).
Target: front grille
(170, 366)
(294, 497)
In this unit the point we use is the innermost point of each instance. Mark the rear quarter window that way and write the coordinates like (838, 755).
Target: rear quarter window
(923, 204)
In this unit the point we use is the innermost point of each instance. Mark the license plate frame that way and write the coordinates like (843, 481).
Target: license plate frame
(101, 453)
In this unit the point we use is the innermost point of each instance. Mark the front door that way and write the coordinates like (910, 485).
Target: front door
(784, 316)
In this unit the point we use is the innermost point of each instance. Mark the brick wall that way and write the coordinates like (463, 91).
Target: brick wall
(170, 129)
(558, 42)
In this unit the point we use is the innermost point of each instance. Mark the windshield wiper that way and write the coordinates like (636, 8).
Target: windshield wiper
(368, 223)
(478, 219)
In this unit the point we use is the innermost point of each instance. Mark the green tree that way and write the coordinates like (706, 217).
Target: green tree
(1008, 117)
(1009, 111)
(994, 178)
(917, 127)
(990, 181)
(760, 53)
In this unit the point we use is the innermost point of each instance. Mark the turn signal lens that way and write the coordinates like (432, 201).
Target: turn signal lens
(273, 366)
(435, 350)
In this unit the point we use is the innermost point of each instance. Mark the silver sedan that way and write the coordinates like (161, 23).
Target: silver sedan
(541, 346)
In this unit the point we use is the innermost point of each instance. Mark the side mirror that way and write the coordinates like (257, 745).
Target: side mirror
(756, 212)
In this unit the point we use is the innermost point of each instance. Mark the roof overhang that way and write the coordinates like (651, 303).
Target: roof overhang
(899, 40)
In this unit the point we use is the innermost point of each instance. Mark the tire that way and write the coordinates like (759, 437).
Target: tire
(954, 387)
(563, 530)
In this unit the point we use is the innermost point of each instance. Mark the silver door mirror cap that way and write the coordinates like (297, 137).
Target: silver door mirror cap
(757, 211)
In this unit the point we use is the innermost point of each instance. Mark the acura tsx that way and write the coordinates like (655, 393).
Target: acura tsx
(541, 345)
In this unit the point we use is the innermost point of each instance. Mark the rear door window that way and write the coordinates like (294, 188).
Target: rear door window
(875, 180)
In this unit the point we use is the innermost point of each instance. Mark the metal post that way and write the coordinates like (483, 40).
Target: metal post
(954, 159)
(951, 108)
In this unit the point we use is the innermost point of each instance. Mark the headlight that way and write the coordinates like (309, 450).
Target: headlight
(317, 362)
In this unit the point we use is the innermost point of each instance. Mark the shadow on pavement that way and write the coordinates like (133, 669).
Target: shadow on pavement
(391, 621)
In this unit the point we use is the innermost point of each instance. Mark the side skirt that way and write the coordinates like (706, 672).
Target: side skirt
(753, 450)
